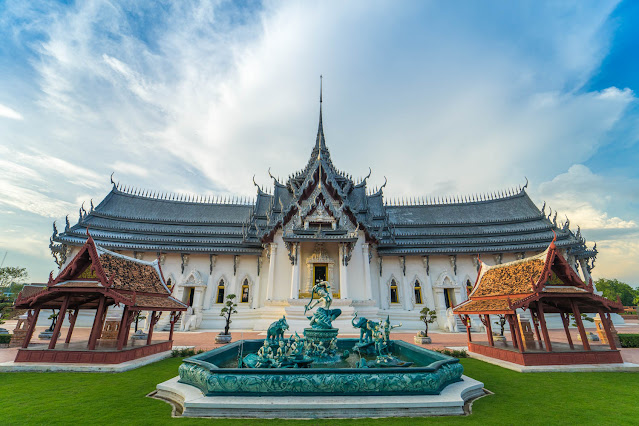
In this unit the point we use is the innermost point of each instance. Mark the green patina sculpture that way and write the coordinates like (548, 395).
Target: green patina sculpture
(324, 316)
(319, 343)
(276, 330)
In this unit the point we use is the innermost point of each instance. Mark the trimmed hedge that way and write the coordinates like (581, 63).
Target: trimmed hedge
(629, 340)
(5, 338)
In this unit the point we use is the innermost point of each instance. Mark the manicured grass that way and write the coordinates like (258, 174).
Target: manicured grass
(532, 398)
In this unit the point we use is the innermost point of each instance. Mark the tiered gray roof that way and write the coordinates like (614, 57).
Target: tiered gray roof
(510, 222)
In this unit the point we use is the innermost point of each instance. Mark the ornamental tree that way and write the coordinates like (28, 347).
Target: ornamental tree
(584, 317)
(428, 316)
(11, 275)
(610, 289)
(227, 311)
(138, 316)
(501, 322)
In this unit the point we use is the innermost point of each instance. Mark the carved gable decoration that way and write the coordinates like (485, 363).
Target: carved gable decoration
(320, 215)
(320, 255)
(87, 274)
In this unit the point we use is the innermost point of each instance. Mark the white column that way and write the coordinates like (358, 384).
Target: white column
(383, 295)
(343, 273)
(367, 273)
(295, 273)
(198, 292)
(208, 294)
(255, 291)
(408, 300)
(271, 271)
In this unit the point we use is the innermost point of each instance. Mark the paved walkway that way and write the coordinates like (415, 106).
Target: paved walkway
(205, 340)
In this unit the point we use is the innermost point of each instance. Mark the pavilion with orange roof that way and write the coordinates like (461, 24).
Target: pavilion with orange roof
(543, 284)
(95, 279)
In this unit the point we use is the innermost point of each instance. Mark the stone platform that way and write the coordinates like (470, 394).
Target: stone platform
(41, 367)
(189, 401)
(106, 352)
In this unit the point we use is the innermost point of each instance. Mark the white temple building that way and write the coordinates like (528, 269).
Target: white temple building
(382, 259)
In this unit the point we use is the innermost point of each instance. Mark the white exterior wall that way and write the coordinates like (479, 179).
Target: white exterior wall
(261, 312)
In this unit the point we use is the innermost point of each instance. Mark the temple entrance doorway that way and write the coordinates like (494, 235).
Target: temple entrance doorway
(449, 298)
(320, 272)
(189, 295)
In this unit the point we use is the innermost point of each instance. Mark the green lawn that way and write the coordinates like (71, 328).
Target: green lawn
(539, 398)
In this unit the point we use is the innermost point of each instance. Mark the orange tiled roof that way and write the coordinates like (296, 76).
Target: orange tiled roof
(131, 275)
(157, 302)
(510, 278)
(486, 305)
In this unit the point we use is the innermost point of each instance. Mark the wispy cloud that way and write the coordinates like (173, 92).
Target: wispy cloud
(209, 93)
(7, 112)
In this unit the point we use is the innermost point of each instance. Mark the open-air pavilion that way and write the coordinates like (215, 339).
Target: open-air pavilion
(94, 280)
(541, 284)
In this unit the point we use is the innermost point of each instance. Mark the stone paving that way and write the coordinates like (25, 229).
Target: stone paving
(205, 340)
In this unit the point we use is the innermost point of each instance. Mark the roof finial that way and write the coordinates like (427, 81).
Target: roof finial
(321, 89)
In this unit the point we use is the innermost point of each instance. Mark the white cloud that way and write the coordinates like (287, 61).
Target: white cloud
(129, 169)
(7, 112)
(436, 98)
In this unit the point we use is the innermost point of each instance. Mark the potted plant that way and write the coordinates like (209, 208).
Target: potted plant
(592, 337)
(139, 334)
(428, 316)
(501, 322)
(48, 333)
(226, 312)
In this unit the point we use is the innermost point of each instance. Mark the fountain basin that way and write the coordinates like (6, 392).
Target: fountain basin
(213, 373)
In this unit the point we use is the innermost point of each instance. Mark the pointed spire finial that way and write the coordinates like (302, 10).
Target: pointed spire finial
(321, 77)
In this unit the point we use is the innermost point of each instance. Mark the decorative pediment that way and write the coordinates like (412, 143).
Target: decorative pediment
(87, 274)
(320, 215)
(320, 255)
(193, 279)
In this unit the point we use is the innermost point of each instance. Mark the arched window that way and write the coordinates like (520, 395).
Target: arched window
(220, 292)
(394, 297)
(469, 287)
(418, 293)
(245, 291)
(169, 284)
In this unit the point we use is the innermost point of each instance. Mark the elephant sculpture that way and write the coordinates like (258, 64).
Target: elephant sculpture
(276, 330)
(366, 328)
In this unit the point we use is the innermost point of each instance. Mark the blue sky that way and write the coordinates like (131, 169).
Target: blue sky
(440, 97)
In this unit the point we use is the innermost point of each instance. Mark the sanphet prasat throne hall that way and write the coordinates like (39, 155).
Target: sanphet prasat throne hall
(382, 258)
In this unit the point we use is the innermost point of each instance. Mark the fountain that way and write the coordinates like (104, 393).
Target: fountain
(302, 376)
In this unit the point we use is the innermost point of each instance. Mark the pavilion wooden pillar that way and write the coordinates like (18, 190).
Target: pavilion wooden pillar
(566, 322)
(96, 330)
(58, 325)
(154, 320)
(544, 328)
(513, 331)
(31, 329)
(489, 330)
(130, 319)
(175, 317)
(520, 340)
(535, 320)
(580, 325)
(466, 321)
(606, 323)
(72, 318)
(123, 332)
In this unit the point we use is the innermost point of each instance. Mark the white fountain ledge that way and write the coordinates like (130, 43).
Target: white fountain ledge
(189, 401)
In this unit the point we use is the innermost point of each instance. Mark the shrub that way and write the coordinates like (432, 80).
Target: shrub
(454, 353)
(5, 338)
(185, 353)
(629, 340)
